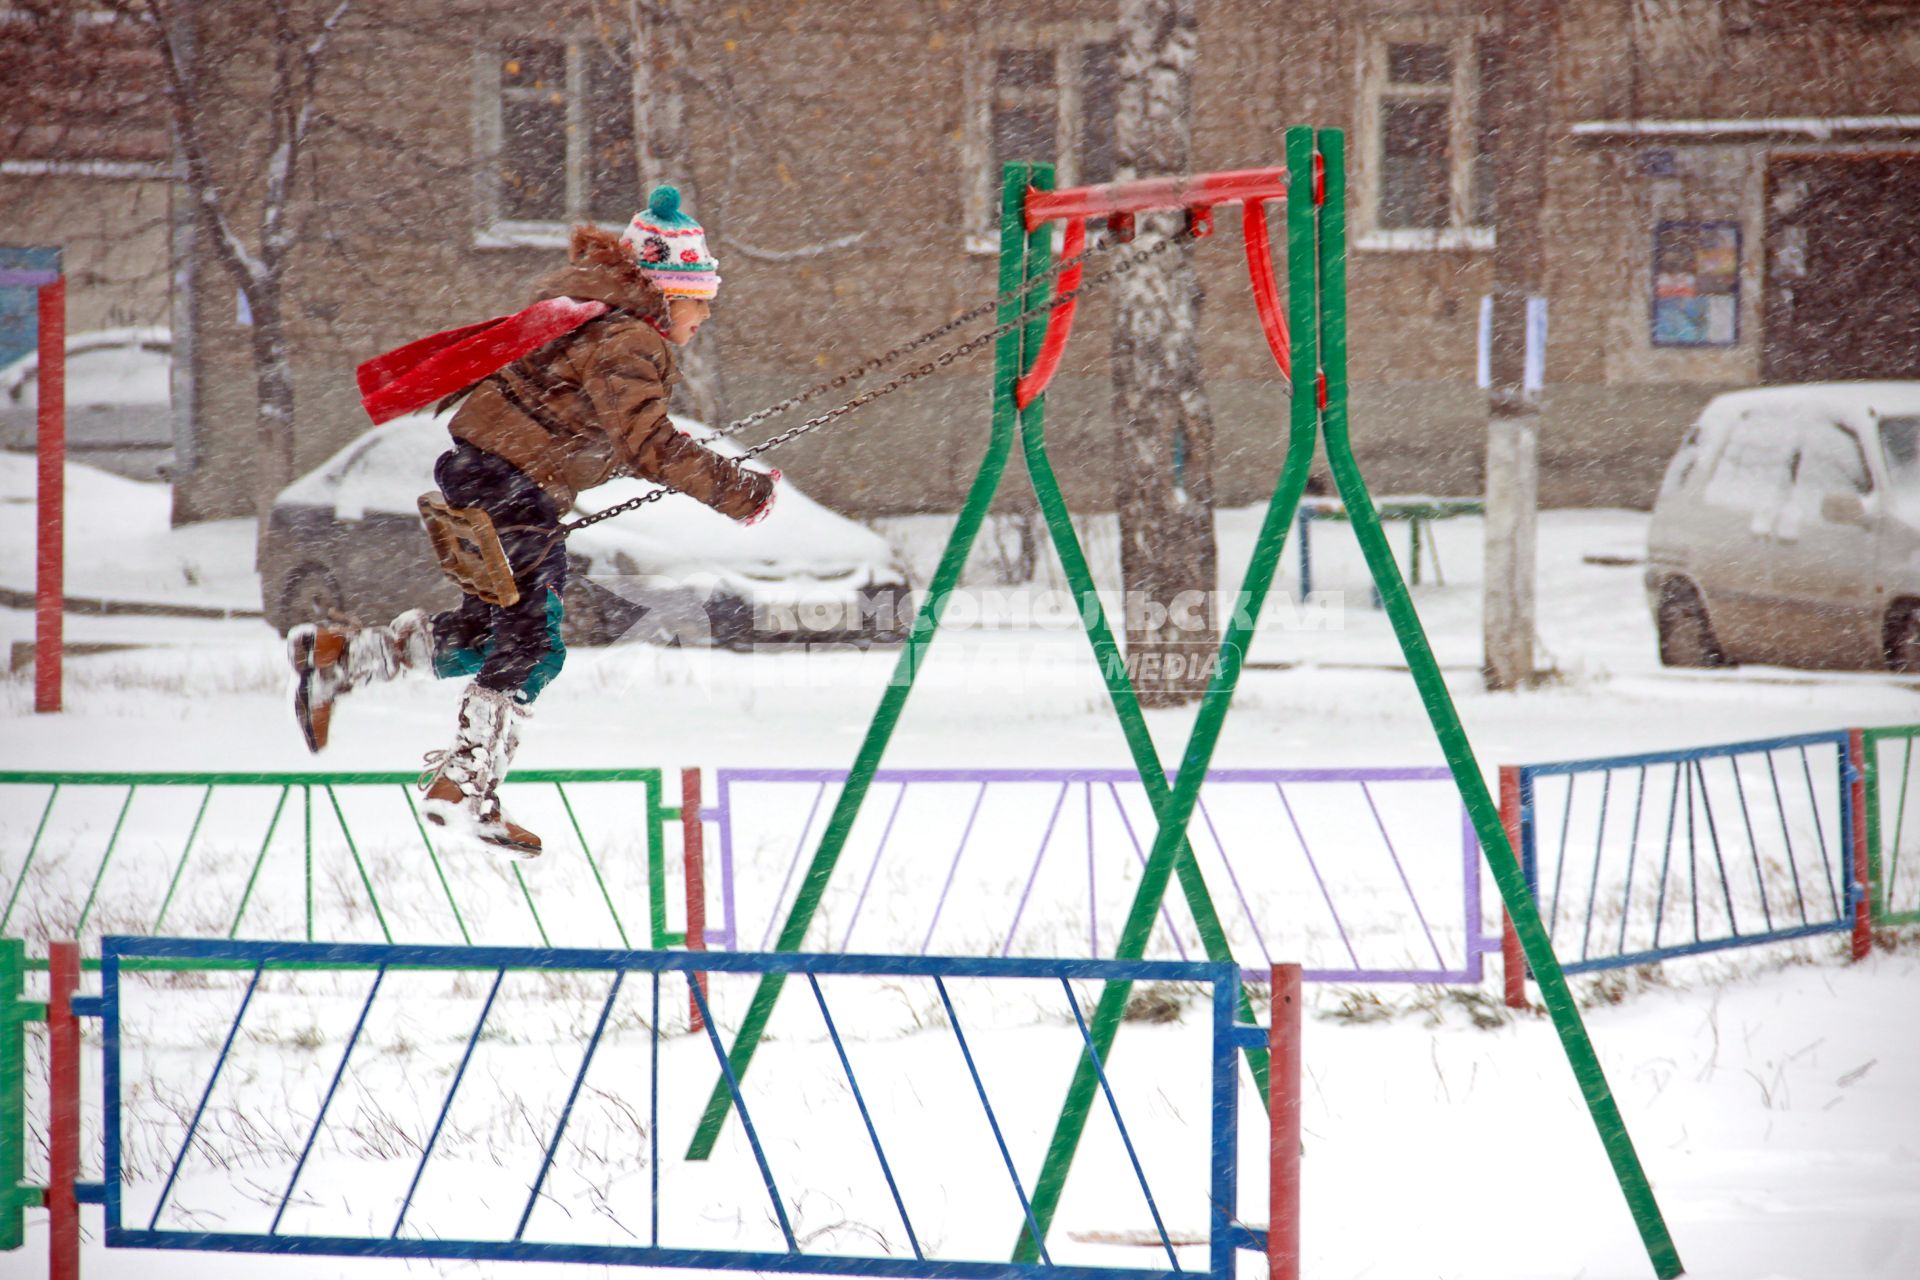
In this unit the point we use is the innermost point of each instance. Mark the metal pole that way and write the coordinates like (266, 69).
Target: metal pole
(1514, 101)
(63, 1112)
(49, 588)
(1512, 962)
(1283, 1114)
(14, 1198)
(1856, 794)
(693, 852)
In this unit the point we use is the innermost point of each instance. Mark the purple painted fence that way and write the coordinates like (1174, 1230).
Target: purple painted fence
(1371, 875)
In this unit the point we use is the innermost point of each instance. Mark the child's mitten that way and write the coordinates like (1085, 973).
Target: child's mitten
(773, 491)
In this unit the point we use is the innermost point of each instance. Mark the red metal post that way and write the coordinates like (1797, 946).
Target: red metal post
(1857, 800)
(49, 588)
(1283, 1112)
(1512, 961)
(693, 839)
(63, 1118)
(1266, 296)
(1059, 322)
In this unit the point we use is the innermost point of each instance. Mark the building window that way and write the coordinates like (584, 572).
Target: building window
(1044, 100)
(556, 136)
(1431, 175)
(1696, 284)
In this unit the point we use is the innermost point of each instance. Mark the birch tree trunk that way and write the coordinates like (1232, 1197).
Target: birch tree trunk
(298, 38)
(663, 150)
(1163, 421)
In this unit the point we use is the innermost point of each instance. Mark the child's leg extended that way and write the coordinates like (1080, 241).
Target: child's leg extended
(524, 653)
(513, 651)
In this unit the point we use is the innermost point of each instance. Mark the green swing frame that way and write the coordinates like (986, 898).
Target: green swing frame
(1313, 351)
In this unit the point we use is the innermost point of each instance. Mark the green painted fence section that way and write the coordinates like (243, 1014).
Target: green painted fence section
(1893, 825)
(328, 856)
(15, 1012)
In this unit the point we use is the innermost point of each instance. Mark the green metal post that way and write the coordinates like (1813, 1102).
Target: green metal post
(581, 836)
(27, 864)
(1876, 890)
(373, 898)
(867, 761)
(180, 867)
(14, 1198)
(406, 794)
(658, 815)
(1883, 855)
(100, 873)
(532, 909)
(1173, 807)
(253, 877)
(1554, 991)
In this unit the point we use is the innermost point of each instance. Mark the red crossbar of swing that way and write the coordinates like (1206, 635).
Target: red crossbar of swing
(1235, 186)
(1249, 188)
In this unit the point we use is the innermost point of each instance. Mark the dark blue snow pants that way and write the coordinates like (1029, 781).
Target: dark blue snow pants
(516, 648)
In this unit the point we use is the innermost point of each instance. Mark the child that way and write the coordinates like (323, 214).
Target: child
(577, 412)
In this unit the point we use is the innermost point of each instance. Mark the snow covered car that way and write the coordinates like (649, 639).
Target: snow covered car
(119, 415)
(1787, 530)
(345, 542)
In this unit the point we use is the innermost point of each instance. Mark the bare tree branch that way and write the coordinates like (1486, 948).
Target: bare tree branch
(185, 107)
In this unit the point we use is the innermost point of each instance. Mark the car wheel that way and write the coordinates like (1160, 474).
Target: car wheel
(595, 616)
(312, 595)
(730, 622)
(1686, 634)
(1903, 638)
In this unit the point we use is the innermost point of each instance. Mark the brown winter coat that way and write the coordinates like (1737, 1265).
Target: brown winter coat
(592, 406)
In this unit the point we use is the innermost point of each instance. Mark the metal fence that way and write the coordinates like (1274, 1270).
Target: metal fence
(244, 1146)
(1365, 874)
(1634, 859)
(1893, 823)
(333, 856)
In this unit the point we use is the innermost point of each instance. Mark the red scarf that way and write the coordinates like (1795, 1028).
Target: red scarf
(441, 364)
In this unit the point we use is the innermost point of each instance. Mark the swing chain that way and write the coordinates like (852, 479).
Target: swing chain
(876, 363)
(1119, 268)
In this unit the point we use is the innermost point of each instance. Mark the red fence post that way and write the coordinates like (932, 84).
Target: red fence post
(1857, 800)
(63, 1112)
(1283, 1110)
(1512, 961)
(49, 585)
(693, 836)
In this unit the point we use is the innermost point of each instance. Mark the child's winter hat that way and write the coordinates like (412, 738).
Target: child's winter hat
(672, 248)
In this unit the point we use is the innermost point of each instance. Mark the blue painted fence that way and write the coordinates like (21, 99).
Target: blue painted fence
(1634, 859)
(261, 972)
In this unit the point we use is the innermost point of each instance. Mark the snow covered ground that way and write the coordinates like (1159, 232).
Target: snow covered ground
(1772, 1106)
(1773, 1099)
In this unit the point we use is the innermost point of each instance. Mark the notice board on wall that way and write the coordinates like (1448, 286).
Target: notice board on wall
(1696, 284)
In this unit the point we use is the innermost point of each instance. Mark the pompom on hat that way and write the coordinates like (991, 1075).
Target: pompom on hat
(671, 248)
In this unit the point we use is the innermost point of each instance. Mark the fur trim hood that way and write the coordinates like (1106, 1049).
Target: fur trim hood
(601, 267)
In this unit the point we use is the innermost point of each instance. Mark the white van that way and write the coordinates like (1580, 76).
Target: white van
(1787, 530)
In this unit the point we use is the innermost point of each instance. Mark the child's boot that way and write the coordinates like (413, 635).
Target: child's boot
(329, 661)
(463, 782)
